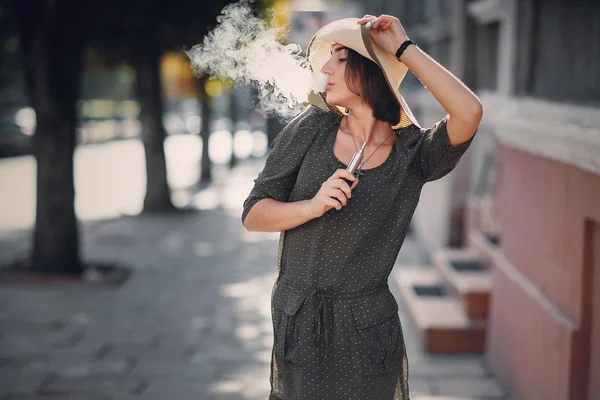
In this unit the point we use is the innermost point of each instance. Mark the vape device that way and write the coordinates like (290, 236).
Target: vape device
(355, 162)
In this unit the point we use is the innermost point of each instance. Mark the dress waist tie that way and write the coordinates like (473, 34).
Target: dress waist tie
(322, 310)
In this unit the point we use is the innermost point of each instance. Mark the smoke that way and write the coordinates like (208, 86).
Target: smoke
(244, 49)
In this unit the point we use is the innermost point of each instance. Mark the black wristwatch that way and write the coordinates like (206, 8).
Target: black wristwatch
(403, 47)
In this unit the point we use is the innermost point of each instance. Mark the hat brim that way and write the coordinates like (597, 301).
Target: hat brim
(349, 33)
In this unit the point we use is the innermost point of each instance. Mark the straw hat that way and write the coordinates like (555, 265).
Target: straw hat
(357, 37)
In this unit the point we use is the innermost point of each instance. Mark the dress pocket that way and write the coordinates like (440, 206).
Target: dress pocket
(291, 325)
(378, 333)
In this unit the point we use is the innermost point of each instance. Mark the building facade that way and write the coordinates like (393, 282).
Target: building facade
(535, 165)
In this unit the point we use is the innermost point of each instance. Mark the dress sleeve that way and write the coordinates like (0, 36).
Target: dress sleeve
(438, 157)
(278, 176)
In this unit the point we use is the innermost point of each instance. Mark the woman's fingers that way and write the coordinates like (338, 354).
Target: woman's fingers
(365, 19)
(341, 185)
(375, 23)
(344, 187)
(328, 203)
(335, 191)
(340, 179)
(332, 203)
(342, 173)
(382, 22)
(338, 194)
(332, 190)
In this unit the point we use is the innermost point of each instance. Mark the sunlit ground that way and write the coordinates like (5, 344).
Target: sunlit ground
(110, 178)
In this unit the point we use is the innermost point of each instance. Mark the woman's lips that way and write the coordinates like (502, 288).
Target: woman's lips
(328, 86)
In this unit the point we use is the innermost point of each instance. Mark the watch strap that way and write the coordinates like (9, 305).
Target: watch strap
(403, 47)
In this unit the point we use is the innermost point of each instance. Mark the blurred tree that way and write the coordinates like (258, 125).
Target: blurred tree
(11, 73)
(206, 111)
(140, 32)
(134, 38)
(234, 117)
(52, 38)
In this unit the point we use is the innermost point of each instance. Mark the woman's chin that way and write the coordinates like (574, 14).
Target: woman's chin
(332, 101)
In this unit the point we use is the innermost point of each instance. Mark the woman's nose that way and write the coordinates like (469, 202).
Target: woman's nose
(325, 69)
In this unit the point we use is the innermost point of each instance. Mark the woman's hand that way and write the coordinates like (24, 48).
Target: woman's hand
(386, 31)
(334, 193)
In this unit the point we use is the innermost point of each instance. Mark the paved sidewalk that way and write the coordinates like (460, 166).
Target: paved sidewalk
(192, 322)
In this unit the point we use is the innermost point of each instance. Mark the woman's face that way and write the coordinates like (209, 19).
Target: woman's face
(335, 68)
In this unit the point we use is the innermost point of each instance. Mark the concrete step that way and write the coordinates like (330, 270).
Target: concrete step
(469, 278)
(443, 324)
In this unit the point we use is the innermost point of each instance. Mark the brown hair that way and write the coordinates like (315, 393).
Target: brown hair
(364, 78)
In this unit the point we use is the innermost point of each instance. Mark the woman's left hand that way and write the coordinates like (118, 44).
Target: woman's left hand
(386, 31)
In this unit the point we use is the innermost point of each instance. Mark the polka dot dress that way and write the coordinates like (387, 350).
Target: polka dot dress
(337, 334)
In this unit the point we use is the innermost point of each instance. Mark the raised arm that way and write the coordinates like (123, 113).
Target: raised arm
(462, 105)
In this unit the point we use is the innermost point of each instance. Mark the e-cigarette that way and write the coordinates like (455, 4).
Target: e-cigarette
(355, 162)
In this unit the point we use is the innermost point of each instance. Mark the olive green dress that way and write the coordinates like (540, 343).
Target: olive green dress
(337, 334)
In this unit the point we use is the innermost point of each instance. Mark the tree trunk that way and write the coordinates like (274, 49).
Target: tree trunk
(206, 105)
(52, 41)
(149, 95)
(234, 116)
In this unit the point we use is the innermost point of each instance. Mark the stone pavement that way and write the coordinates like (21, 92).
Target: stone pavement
(192, 322)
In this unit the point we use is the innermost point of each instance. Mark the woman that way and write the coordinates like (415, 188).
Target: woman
(336, 325)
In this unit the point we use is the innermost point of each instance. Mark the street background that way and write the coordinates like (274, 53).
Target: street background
(127, 150)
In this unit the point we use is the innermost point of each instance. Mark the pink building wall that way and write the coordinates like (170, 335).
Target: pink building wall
(544, 327)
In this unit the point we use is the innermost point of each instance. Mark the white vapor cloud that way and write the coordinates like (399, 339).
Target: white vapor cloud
(244, 49)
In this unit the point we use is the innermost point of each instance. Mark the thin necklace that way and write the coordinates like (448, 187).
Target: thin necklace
(360, 170)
